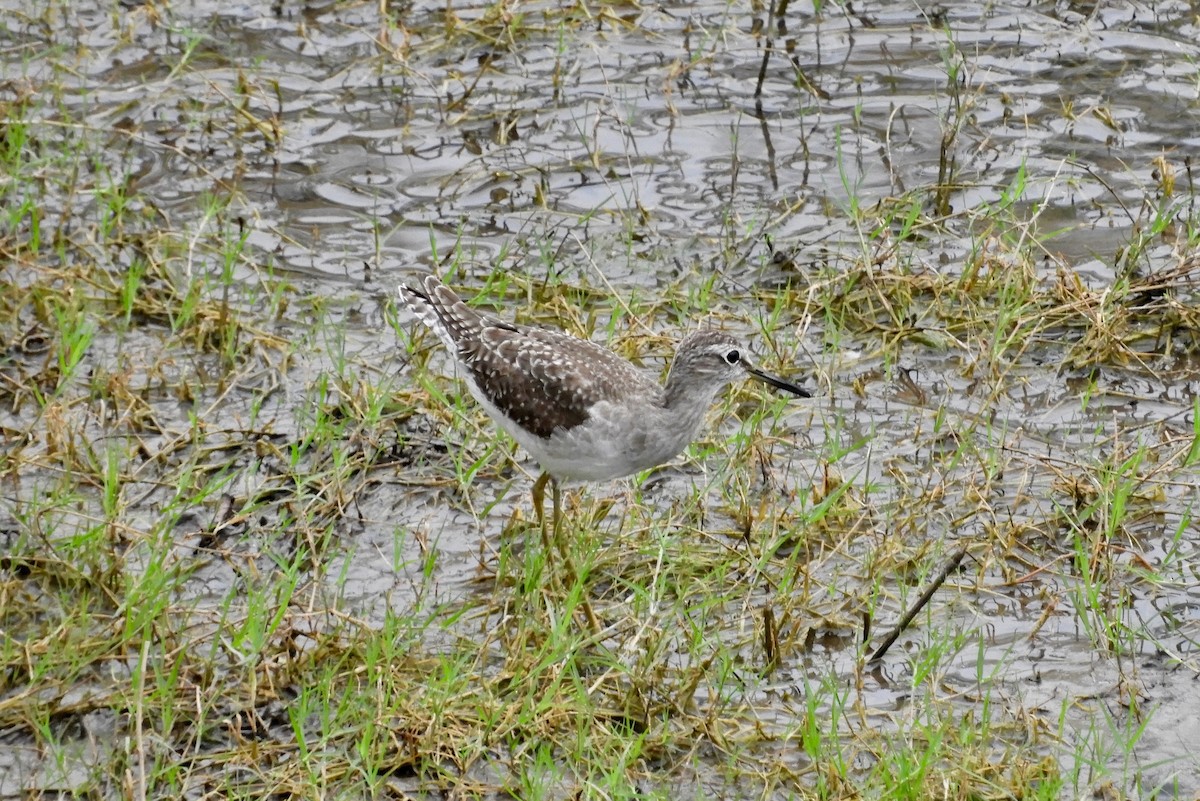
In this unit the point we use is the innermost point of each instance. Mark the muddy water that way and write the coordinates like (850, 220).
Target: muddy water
(625, 152)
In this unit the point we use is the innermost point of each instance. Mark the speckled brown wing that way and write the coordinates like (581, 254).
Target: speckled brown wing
(546, 380)
(443, 312)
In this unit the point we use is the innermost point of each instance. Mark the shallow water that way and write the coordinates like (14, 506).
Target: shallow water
(624, 155)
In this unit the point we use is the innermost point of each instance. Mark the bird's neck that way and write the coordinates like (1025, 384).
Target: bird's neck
(687, 402)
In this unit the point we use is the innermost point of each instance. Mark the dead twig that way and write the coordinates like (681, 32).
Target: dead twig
(949, 568)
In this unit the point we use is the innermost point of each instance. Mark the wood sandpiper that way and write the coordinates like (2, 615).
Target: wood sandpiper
(583, 412)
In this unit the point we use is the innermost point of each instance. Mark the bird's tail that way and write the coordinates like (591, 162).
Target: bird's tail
(442, 311)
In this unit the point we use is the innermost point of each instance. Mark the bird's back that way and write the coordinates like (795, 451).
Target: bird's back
(537, 379)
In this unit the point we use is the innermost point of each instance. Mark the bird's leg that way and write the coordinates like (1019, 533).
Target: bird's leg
(557, 508)
(539, 506)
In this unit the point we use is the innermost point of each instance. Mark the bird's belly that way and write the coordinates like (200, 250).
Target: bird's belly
(610, 444)
(599, 449)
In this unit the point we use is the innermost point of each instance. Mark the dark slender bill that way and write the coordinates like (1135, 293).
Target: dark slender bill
(779, 383)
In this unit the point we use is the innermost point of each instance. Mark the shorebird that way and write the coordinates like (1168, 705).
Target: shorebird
(583, 412)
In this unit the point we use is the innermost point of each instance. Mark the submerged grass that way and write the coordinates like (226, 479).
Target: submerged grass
(212, 476)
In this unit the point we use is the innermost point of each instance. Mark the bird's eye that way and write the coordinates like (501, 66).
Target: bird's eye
(732, 357)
